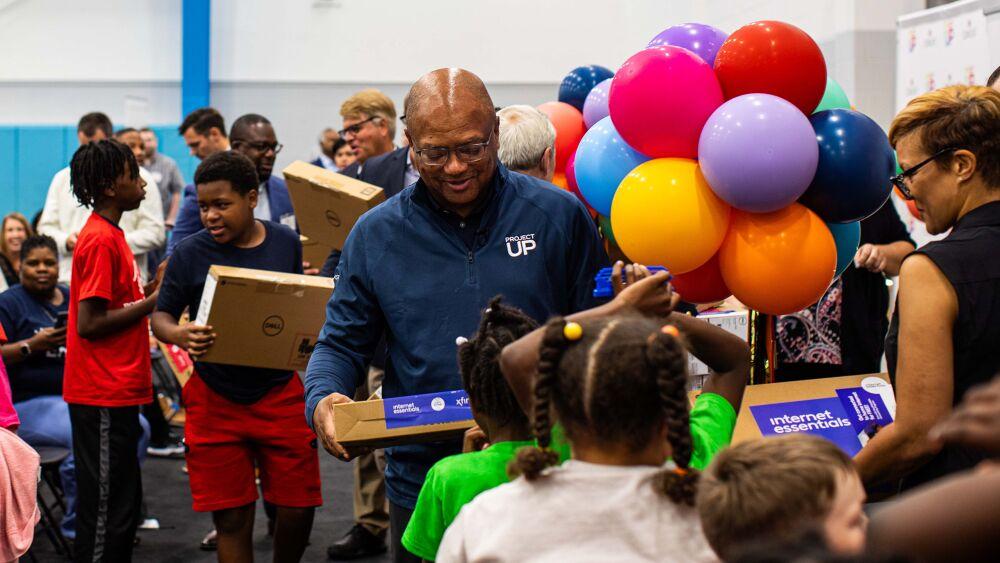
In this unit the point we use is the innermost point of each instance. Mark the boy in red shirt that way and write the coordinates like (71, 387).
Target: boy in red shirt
(239, 418)
(107, 374)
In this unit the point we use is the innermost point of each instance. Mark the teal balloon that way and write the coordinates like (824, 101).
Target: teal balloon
(847, 237)
(605, 223)
(833, 97)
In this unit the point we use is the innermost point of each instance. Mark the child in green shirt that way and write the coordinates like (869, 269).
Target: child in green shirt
(454, 481)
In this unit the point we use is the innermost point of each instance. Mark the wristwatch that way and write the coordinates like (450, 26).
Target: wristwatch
(25, 349)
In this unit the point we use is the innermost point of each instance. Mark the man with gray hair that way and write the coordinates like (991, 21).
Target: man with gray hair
(527, 141)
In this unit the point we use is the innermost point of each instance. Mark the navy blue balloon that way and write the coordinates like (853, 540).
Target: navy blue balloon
(579, 82)
(855, 163)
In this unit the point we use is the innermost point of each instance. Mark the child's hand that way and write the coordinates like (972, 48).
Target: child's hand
(651, 295)
(633, 273)
(196, 339)
(474, 440)
(308, 270)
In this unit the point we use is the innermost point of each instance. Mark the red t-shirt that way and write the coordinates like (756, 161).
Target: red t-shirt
(8, 416)
(113, 371)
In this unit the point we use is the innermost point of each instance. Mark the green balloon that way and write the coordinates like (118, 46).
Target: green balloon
(833, 98)
(605, 223)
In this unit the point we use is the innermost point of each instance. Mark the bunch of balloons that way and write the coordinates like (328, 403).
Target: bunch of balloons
(734, 161)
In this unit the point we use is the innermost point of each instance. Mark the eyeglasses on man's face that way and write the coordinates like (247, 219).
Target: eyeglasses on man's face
(353, 130)
(468, 153)
(261, 146)
(899, 180)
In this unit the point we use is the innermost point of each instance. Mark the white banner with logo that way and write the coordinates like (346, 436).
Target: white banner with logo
(941, 47)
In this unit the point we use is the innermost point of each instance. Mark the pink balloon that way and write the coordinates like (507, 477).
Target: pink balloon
(661, 98)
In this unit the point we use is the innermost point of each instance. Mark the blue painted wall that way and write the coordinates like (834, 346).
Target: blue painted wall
(31, 154)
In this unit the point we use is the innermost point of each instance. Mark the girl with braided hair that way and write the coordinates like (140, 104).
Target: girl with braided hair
(618, 387)
(454, 481)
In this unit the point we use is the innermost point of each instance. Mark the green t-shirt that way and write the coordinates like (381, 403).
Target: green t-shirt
(451, 484)
(712, 423)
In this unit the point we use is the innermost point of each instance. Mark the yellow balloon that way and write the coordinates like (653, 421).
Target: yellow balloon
(664, 214)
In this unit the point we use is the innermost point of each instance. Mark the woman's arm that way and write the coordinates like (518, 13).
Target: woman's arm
(928, 308)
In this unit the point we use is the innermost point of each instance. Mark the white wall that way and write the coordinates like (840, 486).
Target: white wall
(296, 60)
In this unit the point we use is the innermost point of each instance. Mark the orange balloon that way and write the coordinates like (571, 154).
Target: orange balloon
(779, 262)
(559, 179)
(570, 128)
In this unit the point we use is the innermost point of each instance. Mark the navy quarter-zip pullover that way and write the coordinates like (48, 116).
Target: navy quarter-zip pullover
(423, 277)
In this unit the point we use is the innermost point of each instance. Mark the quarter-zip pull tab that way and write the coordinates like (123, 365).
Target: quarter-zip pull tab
(470, 257)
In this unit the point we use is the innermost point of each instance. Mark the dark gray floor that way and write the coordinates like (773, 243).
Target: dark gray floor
(169, 500)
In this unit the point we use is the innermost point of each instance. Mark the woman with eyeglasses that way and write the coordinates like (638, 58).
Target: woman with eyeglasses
(945, 334)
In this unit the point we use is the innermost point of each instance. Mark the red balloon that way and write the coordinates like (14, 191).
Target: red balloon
(570, 128)
(571, 175)
(704, 284)
(772, 57)
(911, 205)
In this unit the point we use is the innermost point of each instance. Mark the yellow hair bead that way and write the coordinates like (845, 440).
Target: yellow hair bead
(671, 330)
(573, 331)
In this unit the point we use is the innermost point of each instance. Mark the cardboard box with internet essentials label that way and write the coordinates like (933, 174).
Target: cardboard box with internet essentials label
(328, 204)
(263, 319)
(394, 421)
(845, 410)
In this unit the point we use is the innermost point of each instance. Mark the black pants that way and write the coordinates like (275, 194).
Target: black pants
(109, 484)
(399, 517)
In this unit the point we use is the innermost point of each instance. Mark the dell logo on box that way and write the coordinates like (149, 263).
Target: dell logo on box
(273, 325)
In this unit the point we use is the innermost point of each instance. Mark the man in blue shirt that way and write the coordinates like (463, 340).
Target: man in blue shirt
(467, 230)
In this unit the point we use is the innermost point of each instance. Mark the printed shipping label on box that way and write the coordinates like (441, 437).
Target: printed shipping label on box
(431, 408)
(848, 411)
(328, 204)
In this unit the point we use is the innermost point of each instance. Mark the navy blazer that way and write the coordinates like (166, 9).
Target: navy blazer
(189, 219)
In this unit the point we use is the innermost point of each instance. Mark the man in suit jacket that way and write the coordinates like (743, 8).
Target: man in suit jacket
(327, 140)
(253, 136)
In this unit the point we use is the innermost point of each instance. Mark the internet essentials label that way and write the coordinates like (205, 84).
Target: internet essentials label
(848, 420)
(429, 408)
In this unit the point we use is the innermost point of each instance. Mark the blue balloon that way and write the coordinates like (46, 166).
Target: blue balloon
(847, 237)
(603, 159)
(578, 83)
(855, 163)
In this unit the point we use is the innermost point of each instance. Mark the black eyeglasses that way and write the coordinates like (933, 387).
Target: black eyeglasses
(261, 146)
(468, 153)
(353, 129)
(899, 180)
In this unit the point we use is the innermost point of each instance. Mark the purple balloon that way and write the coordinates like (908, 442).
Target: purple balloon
(702, 40)
(758, 152)
(595, 107)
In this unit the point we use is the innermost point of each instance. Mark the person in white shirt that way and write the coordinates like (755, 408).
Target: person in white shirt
(63, 217)
(618, 386)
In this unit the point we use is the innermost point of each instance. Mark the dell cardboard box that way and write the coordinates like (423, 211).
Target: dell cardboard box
(845, 410)
(328, 204)
(314, 252)
(394, 421)
(263, 319)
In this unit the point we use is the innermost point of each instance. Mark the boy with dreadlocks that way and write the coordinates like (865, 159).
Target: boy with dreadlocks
(618, 387)
(107, 373)
(454, 481)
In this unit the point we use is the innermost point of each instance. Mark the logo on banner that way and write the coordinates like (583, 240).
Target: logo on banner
(520, 245)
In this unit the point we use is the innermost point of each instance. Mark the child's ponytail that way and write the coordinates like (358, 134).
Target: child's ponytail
(530, 462)
(667, 357)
